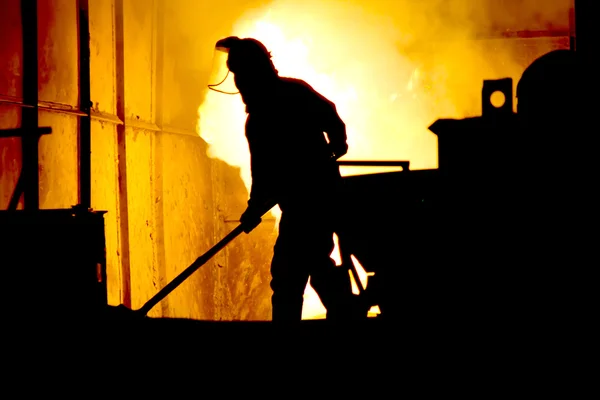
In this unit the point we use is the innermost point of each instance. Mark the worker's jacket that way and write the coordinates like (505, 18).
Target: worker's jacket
(289, 151)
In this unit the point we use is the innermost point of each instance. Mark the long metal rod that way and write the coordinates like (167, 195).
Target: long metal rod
(85, 127)
(43, 105)
(368, 163)
(20, 132)
(527, 34)
(29, 116)
(200, 261)
(16, 195)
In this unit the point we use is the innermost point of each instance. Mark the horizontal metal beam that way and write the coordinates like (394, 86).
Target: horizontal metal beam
(526, 34)
(374, 163)
(96, 115)
(20, 132)
(42, 106)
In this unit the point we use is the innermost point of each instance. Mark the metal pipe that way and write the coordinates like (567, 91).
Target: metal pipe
(85, 127)
(29, 116)
(404, 164)
(583, 15)
(20, 132)
(123, 208)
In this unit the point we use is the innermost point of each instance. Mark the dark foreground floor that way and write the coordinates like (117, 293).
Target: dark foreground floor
(376, 358)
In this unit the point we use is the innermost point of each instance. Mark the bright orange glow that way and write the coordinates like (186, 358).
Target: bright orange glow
(388, 85)
(373, 117)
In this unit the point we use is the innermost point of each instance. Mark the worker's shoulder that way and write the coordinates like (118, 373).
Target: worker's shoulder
(297, 84)
(300, 87)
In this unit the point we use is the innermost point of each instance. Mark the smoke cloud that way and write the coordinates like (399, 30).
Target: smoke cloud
(392, 67)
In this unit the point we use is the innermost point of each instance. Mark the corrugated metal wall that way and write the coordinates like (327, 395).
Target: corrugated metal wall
(167, 202)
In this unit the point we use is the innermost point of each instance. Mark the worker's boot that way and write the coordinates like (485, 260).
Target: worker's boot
(335, 291)
(347, 307)
(286, 309)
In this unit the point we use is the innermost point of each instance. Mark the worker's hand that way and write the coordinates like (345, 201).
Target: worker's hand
(339, 150)
(250, 220)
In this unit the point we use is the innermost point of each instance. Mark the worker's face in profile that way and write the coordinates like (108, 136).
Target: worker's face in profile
(251, 85)
(243, 81)
(248, 87)
(252, 78)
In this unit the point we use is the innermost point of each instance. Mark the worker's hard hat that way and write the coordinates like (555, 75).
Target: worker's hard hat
(240, 56)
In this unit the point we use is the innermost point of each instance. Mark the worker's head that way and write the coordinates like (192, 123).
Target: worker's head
(251, 65)
(250, 62)
(249, 57)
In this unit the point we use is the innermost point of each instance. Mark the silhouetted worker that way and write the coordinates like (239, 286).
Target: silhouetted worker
(292, 164)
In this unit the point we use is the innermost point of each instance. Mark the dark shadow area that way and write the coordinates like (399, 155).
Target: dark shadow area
(494, 234)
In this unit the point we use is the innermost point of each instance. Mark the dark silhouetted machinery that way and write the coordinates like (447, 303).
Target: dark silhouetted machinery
(494, 232)
(425, 236)
(53, 260)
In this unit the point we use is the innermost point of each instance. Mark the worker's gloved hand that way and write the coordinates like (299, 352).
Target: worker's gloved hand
(250, 220)
(338, 150)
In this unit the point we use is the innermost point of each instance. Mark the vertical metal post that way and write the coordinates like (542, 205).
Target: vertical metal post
(85, 128)
(572, 35)
(29, 116)
(123, 209)
(583, 17)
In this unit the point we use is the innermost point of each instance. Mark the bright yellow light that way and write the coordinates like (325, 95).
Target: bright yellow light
(355, 70)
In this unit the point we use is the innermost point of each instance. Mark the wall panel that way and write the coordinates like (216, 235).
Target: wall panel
(243, 290)
(11, 90)
(139, 25)
(58, 51)
(105, 198)
(189, 223)
(102, 56)
(11, 51)
(144, 272)
(10, 154)
(58, 161)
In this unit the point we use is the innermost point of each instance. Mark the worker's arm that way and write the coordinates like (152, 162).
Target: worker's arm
(260, 191)
(332, 125)
(336, 133)
(260, 199)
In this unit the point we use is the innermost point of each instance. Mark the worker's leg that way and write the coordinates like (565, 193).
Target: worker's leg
(331, 282)
(313, 225)
(289, 268)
